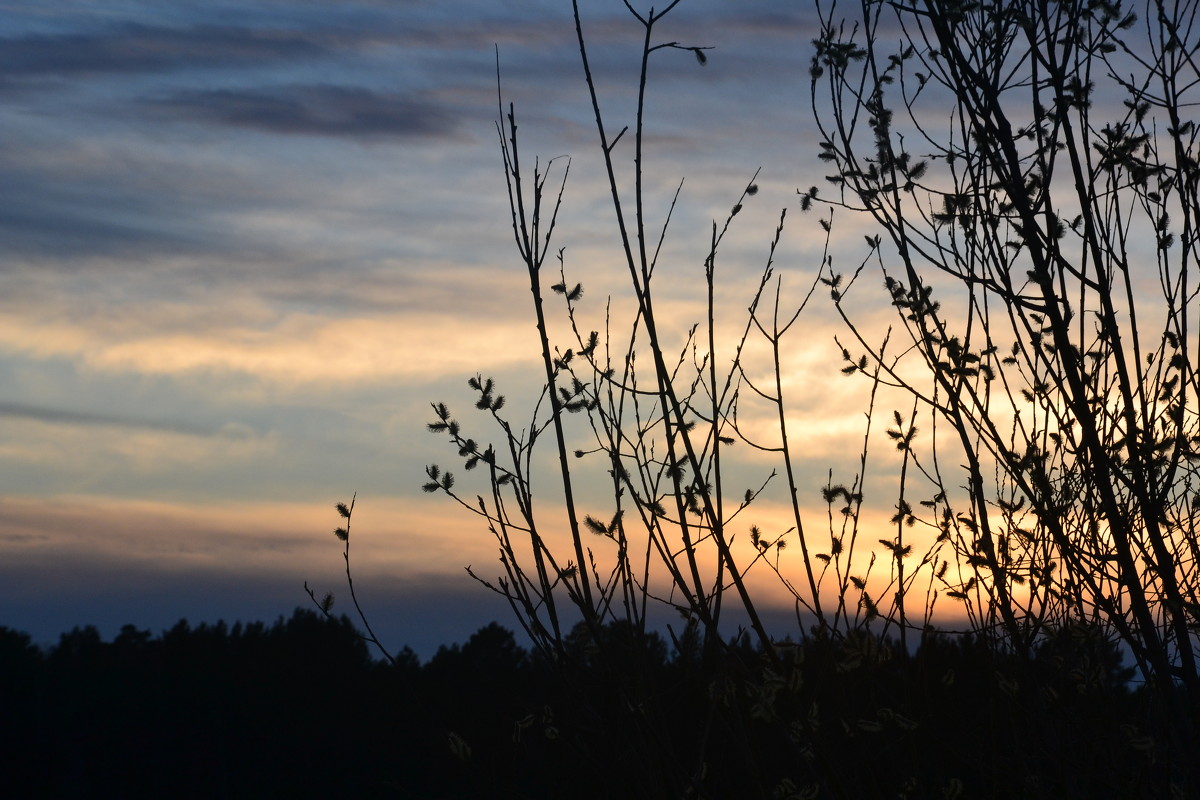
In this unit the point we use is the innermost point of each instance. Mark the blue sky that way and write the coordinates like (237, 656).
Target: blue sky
(246, 243)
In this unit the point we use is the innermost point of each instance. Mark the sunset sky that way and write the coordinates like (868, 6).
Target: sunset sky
(245, 243)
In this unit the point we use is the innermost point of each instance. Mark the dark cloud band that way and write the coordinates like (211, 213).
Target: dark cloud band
(134, 48)
(314, 110)
(66, 417)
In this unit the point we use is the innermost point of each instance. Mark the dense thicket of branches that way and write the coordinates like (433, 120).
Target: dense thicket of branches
(1033, 171)
(298, 709)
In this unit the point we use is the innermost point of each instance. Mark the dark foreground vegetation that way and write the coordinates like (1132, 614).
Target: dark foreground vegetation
(299, 708)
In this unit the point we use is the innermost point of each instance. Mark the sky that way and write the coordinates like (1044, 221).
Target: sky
(244, 244)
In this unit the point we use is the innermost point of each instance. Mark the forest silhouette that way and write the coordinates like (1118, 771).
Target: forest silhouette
(300, 708)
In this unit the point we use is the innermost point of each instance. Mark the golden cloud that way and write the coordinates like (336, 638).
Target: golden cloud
(300, 348)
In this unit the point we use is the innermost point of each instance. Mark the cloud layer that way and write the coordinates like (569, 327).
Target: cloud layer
(247, 242)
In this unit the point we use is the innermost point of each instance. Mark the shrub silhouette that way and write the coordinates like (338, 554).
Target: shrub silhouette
(1043, 445)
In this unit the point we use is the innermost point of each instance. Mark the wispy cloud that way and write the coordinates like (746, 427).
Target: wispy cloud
(64, 416)
(315, 110)
(138, 48)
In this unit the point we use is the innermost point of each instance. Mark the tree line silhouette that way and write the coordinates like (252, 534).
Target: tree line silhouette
(299, 708)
